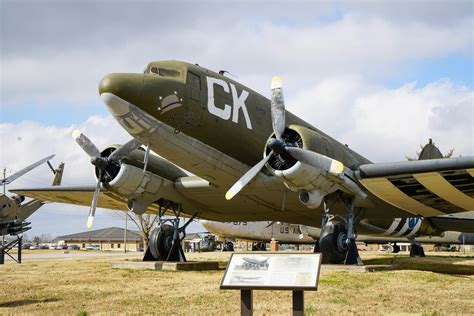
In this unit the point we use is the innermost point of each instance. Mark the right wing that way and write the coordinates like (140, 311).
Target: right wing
(79, 195)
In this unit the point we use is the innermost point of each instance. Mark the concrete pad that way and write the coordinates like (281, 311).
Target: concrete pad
(167, 266)
(356, 268)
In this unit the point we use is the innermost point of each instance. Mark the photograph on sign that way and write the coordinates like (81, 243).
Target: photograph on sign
(272, 270)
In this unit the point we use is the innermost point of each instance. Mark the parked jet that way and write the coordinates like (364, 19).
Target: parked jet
(217, 128)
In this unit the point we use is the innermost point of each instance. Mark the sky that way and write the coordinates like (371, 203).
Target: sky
(381, 76)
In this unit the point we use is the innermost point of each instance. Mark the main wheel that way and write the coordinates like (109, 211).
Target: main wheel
(161, 241)
(332, 242)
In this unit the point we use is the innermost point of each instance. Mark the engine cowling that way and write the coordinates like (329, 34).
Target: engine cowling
(140, 186)
(311, 183)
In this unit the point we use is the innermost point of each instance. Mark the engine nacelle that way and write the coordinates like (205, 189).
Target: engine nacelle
(312, 182)
(138, 187)
(306, 178)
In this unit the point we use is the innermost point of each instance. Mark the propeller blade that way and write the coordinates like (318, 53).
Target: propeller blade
(278, 107)
(95, 199)
(316, 160)
(145, 159)
(247, 177)
(124, 150)
(85, 143)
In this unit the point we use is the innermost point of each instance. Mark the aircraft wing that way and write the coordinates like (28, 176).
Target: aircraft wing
(79, 195)
(453, 223)
(423, 187)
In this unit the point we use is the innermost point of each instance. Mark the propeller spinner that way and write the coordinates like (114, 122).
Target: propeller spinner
(101, 163)
(279, 147)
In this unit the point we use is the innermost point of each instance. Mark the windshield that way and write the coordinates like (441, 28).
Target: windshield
(164, 72)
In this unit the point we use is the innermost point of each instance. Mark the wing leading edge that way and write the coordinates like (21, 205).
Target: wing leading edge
(423, 187)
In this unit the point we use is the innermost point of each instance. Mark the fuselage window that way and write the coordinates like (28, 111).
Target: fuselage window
(194, 83)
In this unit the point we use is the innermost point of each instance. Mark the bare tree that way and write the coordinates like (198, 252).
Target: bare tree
(144, 222)
(36, 240)
(45, 238)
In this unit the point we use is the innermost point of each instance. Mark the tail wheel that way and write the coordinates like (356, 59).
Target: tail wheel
(333, 242)
(161, 241)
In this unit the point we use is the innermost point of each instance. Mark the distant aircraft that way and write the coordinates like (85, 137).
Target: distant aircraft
(286, 233)
(13, 212)
(216, 128)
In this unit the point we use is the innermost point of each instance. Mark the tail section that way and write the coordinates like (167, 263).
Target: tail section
(430, 151)
(27, 209)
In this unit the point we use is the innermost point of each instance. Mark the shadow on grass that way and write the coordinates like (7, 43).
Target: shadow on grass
(438, 264)
(28, 302)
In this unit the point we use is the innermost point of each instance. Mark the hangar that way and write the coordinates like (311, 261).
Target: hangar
(112, 238)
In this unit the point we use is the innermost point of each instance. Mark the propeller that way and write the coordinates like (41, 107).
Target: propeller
(101, 163)
(279, 147)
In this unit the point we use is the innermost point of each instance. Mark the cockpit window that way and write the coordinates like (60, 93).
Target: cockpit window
(165, 72)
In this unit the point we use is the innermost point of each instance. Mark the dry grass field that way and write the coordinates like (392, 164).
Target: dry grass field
(435, 285)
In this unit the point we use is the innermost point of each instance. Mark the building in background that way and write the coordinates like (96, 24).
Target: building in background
(112, 239)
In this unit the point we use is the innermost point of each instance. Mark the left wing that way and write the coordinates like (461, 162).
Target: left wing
(423, 187)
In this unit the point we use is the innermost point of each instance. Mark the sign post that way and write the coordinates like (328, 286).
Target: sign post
(297, 272)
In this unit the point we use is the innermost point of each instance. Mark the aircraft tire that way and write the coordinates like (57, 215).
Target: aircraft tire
(230, 246)
(396, 249)
(332, 242)
(161, 241)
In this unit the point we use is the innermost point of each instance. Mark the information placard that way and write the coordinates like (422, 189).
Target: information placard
(278, 271)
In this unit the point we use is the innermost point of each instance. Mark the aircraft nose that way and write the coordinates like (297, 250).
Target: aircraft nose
(117, 90)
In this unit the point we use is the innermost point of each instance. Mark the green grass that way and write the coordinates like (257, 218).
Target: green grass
(435, 285)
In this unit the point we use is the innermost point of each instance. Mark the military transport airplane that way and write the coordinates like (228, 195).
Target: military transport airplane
(216, 129)
(286, 233)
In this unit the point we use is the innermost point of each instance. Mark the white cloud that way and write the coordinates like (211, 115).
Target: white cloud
(29, 141)
(372, 47)
(388, 124)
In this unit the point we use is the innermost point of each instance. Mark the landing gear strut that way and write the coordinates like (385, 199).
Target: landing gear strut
(337, 240)
(165, 240)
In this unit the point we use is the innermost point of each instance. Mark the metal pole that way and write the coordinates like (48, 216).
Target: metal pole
(298, 303)
(246, 302)
(125, 233)
(464, 243)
